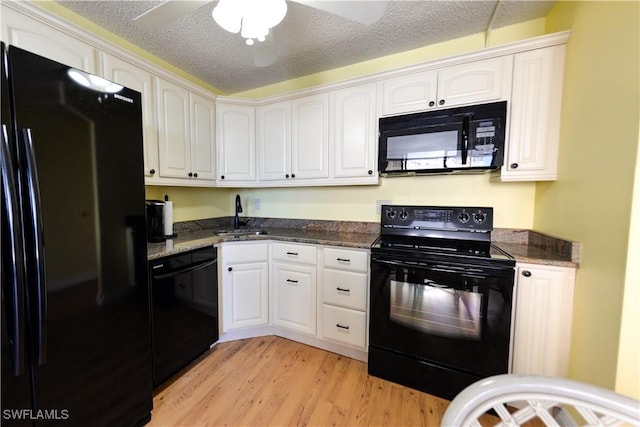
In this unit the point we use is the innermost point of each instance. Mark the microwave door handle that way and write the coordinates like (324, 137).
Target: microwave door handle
(465, 139)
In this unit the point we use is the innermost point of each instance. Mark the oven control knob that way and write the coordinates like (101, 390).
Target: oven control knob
(391, 214)
(479, 217)
(403, 215)
(463, 217)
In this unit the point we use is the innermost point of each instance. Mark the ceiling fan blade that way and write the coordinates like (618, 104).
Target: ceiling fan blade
(364, 12)
(264, 53)
(166, 12)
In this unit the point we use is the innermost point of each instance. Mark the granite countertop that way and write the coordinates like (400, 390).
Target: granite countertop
(524, 245)
(338, 233)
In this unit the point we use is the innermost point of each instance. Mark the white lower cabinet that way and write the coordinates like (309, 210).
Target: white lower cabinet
(344, 325)
(245, 285)
(543, 311)
(345, 282)
(293, 281)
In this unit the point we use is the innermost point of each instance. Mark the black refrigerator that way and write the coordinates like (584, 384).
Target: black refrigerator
(76, 342)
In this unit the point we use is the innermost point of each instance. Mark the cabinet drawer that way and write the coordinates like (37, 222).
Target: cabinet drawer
(294, 253)
(243, 253)
(345, 288)
(345, 259)
(344, 325)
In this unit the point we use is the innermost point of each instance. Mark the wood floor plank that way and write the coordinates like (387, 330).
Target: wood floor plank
(272, 381)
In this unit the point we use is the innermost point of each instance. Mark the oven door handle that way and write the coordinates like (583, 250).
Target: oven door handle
(468, 272)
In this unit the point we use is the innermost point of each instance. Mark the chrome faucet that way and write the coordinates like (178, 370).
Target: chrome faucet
(236, 219)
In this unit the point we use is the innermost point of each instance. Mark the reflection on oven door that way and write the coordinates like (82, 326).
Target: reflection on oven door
(438, 311)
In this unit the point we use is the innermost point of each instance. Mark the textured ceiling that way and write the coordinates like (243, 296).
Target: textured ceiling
(307, 40)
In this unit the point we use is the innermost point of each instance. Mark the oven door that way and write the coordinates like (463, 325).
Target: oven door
(452, 314)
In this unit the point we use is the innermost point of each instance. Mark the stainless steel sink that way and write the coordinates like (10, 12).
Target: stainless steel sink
(241, 232)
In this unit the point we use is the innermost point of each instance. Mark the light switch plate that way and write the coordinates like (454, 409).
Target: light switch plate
(379, 204)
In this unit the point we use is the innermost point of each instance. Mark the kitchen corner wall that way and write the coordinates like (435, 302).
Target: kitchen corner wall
(591, 202)
(513, 202)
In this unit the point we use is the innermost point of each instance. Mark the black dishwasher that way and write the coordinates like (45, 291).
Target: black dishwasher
(184, 295)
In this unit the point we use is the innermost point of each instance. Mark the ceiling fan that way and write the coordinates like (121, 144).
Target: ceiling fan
(264, 51)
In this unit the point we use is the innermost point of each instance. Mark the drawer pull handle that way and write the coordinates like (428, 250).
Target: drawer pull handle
(343, 259)
(292, 281)
(338, 325)
(339, 289)
(292, 253)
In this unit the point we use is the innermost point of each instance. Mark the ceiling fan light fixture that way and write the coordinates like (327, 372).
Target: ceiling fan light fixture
(252, 18)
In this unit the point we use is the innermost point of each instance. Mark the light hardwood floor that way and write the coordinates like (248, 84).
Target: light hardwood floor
(272, 381)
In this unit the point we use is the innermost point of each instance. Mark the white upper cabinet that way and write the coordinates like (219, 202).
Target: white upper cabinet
(28, 34)
(355, 132)
(474, 82)
(185, 133)
(203, 159)
(173, 130)
(413, 92)
(236, 143)
(274, 141)
(127, 74)
(310, 137)
(534, 120)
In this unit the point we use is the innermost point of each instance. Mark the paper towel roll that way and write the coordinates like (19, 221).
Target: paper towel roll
(167, 218)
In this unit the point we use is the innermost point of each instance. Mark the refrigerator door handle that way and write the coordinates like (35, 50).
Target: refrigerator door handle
(12, 260)
(37, 293)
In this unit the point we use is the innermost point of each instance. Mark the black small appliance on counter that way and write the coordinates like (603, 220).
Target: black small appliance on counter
(155, 221)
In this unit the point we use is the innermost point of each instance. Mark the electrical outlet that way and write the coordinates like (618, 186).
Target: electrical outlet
(379, 204)
(257, 204)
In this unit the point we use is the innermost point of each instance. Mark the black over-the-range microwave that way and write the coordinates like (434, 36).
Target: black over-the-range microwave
(461, 139)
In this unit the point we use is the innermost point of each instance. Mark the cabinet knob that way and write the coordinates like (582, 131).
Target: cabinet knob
(370, 172)
(441, 102)
(526, 273)
(152, 171)
(286, 176)
(190, 174)
(195, 175)
(514, 166)
(230, 269)
(293, 175)
(222, 177)
(431, 103)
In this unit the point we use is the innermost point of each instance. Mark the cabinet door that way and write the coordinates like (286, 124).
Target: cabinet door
(203, 158)
(28, 34)
(413, 92)
(534, 120)
(479, 81)
(542, 321)
(310, 137)
(245, 295)
(174, 136)
(124, 73)
(355, 132)
(294, 302)
(236, 141)
(274, 141)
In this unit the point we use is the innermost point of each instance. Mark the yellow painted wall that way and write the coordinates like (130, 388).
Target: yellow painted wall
(628, 371)
(427, 53)
(591, 201)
